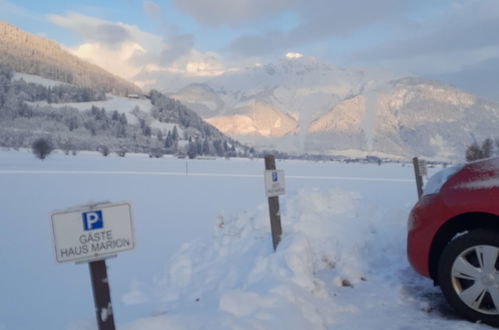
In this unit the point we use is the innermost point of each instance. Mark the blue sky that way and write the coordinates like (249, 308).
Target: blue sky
(447, 40)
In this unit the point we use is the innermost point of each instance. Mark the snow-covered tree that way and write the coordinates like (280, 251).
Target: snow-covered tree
(42, 147)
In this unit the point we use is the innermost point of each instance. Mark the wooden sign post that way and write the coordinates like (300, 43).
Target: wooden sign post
(102, 295)
(419, 171)
(91, 234)
(274, 184)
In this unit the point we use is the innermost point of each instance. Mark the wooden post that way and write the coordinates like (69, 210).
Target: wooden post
(419, 177)
(275, 215)
(102, 296)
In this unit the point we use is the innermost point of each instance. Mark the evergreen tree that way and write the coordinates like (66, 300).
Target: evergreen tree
(168, 140)
(175, 134)
(487, 148)
(192, 150)
(206, 147)
(476, 152)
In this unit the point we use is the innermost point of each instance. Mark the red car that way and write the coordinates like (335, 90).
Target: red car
(453, 237)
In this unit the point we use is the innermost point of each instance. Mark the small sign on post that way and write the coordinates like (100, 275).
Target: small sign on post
(91, 234)
(420, 170)
(274, 183)
(274, 186)
(423, 168)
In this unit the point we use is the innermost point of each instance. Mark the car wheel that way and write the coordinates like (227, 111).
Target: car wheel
(468, 275)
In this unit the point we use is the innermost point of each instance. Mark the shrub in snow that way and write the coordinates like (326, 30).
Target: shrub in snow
(104, 150)
(42, 147)
(66, 146)
(121, 152)
(156, 153)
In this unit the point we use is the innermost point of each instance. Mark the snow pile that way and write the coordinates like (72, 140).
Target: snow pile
(236, 281)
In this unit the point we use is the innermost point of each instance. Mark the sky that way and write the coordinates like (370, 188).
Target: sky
(453, 41)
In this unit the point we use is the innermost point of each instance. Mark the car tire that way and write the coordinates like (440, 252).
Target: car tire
(468, 275)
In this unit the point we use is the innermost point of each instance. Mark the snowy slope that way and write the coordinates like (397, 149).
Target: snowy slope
(204, 258)
(30, 78)
(116, 103)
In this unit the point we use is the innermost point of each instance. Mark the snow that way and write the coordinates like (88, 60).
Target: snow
(119, 103)
(105, 313)
(480, 184)
(438, 179)
(488, 179)
(204, 257)
(29, 78)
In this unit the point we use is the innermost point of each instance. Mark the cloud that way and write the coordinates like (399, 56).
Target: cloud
(256, 45)
(94, 29)
(10, 10)
(319, 21)
(326, 18)
(115, 60)
(422, 37)
(128, 52)
(153, 10)
(465, 33)
(178, 46)
(479, 78)
(194, 67)
(316, 17)
(231, 12)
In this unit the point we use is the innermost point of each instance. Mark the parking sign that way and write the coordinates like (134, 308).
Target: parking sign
(94, 232)
(92, 220)
(274, 183)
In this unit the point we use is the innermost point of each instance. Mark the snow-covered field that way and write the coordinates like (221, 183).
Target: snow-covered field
(204, 257)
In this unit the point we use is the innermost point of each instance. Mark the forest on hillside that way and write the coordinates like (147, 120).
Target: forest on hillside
(30, 111)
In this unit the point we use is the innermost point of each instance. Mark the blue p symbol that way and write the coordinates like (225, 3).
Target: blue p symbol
(274, 177)
(92, 220)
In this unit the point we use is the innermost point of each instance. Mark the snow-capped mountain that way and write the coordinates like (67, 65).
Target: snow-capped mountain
(303, 105)
(294, 91)
(407, 117)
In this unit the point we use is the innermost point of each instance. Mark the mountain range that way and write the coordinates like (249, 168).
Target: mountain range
(299, 105)
(303, 105)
